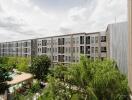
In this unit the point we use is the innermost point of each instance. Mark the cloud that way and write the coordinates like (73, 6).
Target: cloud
(23, 19)
(95, 16)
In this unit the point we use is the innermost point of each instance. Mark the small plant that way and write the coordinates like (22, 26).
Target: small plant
(35, 87)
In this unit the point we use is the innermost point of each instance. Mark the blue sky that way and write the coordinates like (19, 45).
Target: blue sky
(25, 19)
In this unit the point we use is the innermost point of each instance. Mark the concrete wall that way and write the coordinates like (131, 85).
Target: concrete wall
(130, 44)
(118, 44)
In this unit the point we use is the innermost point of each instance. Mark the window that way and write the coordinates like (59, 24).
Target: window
(103, 49)
(69, 58)
(44, 49)
(77, 40)
(73, 49)
(96, 49)
(87, 49)
(73, 40)
(66, 58)
(55, 57)
(103, 38)
(44, 42)
(96, 39)
(81, 39)
(25, 50)
(92, 39)
(60, 49)
(88, 40)
(82, 49)
(92, 49)
(61, 41)
(61, 58)
(16, 44)
(25, 44)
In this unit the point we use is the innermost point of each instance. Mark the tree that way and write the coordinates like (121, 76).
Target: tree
(12, 62)
(40, 66)
(23, 64)
(4, 76)
(87, 80)
(4, 60)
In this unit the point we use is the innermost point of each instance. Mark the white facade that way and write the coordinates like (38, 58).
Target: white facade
(68, 48)
(118, 44)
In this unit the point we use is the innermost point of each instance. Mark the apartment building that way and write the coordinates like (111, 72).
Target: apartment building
(112, 43)
(68, 48)
(61, 49)
(23, 48)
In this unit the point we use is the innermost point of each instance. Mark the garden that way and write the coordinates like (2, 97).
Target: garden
(85, 80)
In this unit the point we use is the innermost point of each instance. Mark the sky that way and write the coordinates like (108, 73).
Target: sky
(27, 19)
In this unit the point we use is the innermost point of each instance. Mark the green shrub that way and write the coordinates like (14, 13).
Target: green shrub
(87, 80)
(35, 87)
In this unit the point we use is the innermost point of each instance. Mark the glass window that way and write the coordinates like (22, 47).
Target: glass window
(81, 39)
(96, 39)
(103, 38)
(87, 49)
(88, 40)
(44, 49)
(92, 39)
(61, 41)
(44, 42)
(96, 49)
(103, 49)
(82, 49)
(60, 49)
(92, 49)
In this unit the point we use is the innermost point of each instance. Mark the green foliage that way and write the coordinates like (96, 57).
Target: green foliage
(3, 60)
(34, 88)
(23, 64)
(40, 66)
(7, 64)
(12, 61)
(87, 80)
(4, 76)
(20, 63)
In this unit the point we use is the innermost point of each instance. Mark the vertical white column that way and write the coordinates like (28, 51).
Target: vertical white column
(130, 43)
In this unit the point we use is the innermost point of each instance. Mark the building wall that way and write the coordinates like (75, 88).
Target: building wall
(60, 49)
(68, 48)
(130, 44)
(16, 48)
(118, 44)
(112, 44)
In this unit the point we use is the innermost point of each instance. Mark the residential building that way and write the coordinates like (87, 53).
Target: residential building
(61, 49)
(23, 48)
(68, 48)
(65, 49)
